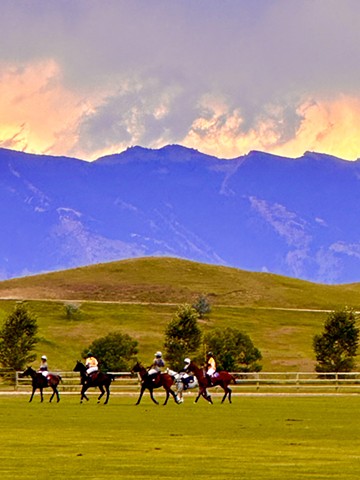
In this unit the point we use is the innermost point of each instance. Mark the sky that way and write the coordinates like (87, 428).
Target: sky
(87, 78)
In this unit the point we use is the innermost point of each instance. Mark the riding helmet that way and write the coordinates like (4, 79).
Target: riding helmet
(44, 357)
(158, 354)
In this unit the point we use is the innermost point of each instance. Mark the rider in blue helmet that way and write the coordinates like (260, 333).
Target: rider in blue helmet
(155, 369)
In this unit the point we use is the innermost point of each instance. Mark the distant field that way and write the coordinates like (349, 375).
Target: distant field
(284, 337)
(141, 296)
(257, 438)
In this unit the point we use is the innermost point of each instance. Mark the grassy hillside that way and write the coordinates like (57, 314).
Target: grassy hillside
(169, 280)
(140, 297)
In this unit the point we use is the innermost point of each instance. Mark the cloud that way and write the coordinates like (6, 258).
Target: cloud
(37, 113)
(352, 250)
(88, 78)
(327, 126)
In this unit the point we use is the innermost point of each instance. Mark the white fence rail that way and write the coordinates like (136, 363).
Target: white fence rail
(245, 382)
(299, 380)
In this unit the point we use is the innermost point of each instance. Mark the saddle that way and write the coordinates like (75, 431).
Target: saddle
(93, 376)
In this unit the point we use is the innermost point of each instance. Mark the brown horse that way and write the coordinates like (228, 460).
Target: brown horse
(161, 380)
(39, 381)
(221, 379)
(99, 379)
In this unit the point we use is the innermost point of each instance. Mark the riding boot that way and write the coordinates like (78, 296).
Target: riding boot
(209, 380)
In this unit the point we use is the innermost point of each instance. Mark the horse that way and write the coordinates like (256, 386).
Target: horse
(98, 379)
(39, 381)
(183, 382)
(221, 379)
(161, 380)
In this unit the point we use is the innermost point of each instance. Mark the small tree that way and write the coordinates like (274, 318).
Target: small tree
(18, 339)
(202, 306)
(182, 336)
(72, 311)
(335, 349)
(114, 352)
(234, 350)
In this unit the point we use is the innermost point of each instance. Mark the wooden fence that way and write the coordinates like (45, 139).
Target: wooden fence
(125, 382)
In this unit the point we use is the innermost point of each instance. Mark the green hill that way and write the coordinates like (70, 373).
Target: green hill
(140, 297)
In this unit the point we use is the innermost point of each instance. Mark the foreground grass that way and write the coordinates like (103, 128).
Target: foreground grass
(254, 438)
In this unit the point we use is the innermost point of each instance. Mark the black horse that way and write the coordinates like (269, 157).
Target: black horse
(39, 381)
(97, 379)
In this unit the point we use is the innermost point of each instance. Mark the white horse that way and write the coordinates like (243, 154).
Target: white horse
(183, 382)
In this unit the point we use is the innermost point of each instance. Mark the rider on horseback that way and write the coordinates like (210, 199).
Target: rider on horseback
(210, 366)
(44, 369)
(91, 364)
(155, 368)
(186, 376)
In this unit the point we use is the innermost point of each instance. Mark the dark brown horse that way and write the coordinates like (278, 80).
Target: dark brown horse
(220, 379)
(161, 380)
(39, 381)
(98, 379)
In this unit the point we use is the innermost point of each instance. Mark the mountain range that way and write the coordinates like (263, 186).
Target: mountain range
(258, 212)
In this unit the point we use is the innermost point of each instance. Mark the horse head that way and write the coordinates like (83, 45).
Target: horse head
(29, 372)
(136, 368)
(79, 367)
(140, 369)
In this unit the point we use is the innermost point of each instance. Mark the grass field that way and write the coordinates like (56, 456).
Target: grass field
(255, 438)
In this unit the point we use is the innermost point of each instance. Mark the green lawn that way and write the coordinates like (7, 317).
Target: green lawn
(255, 438)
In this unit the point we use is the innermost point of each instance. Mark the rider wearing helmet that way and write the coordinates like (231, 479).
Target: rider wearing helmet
(44, 369)
(210, 366)
(91, 364)
(157, 365)
(186, 376)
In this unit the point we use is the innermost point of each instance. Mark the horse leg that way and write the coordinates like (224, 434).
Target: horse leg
(101, 388)
(198, 395)
(83, 390)
(230, 392)
(32, 394)
(41, 394)
(52, 396)
(153, 398)
(174, 395)
(107, 387)
(206, 395)
(167, 395)
(179, 392)
(140, 396)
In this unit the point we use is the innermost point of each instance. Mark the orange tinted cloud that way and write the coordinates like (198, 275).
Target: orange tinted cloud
(326, 126)
(37, 113)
